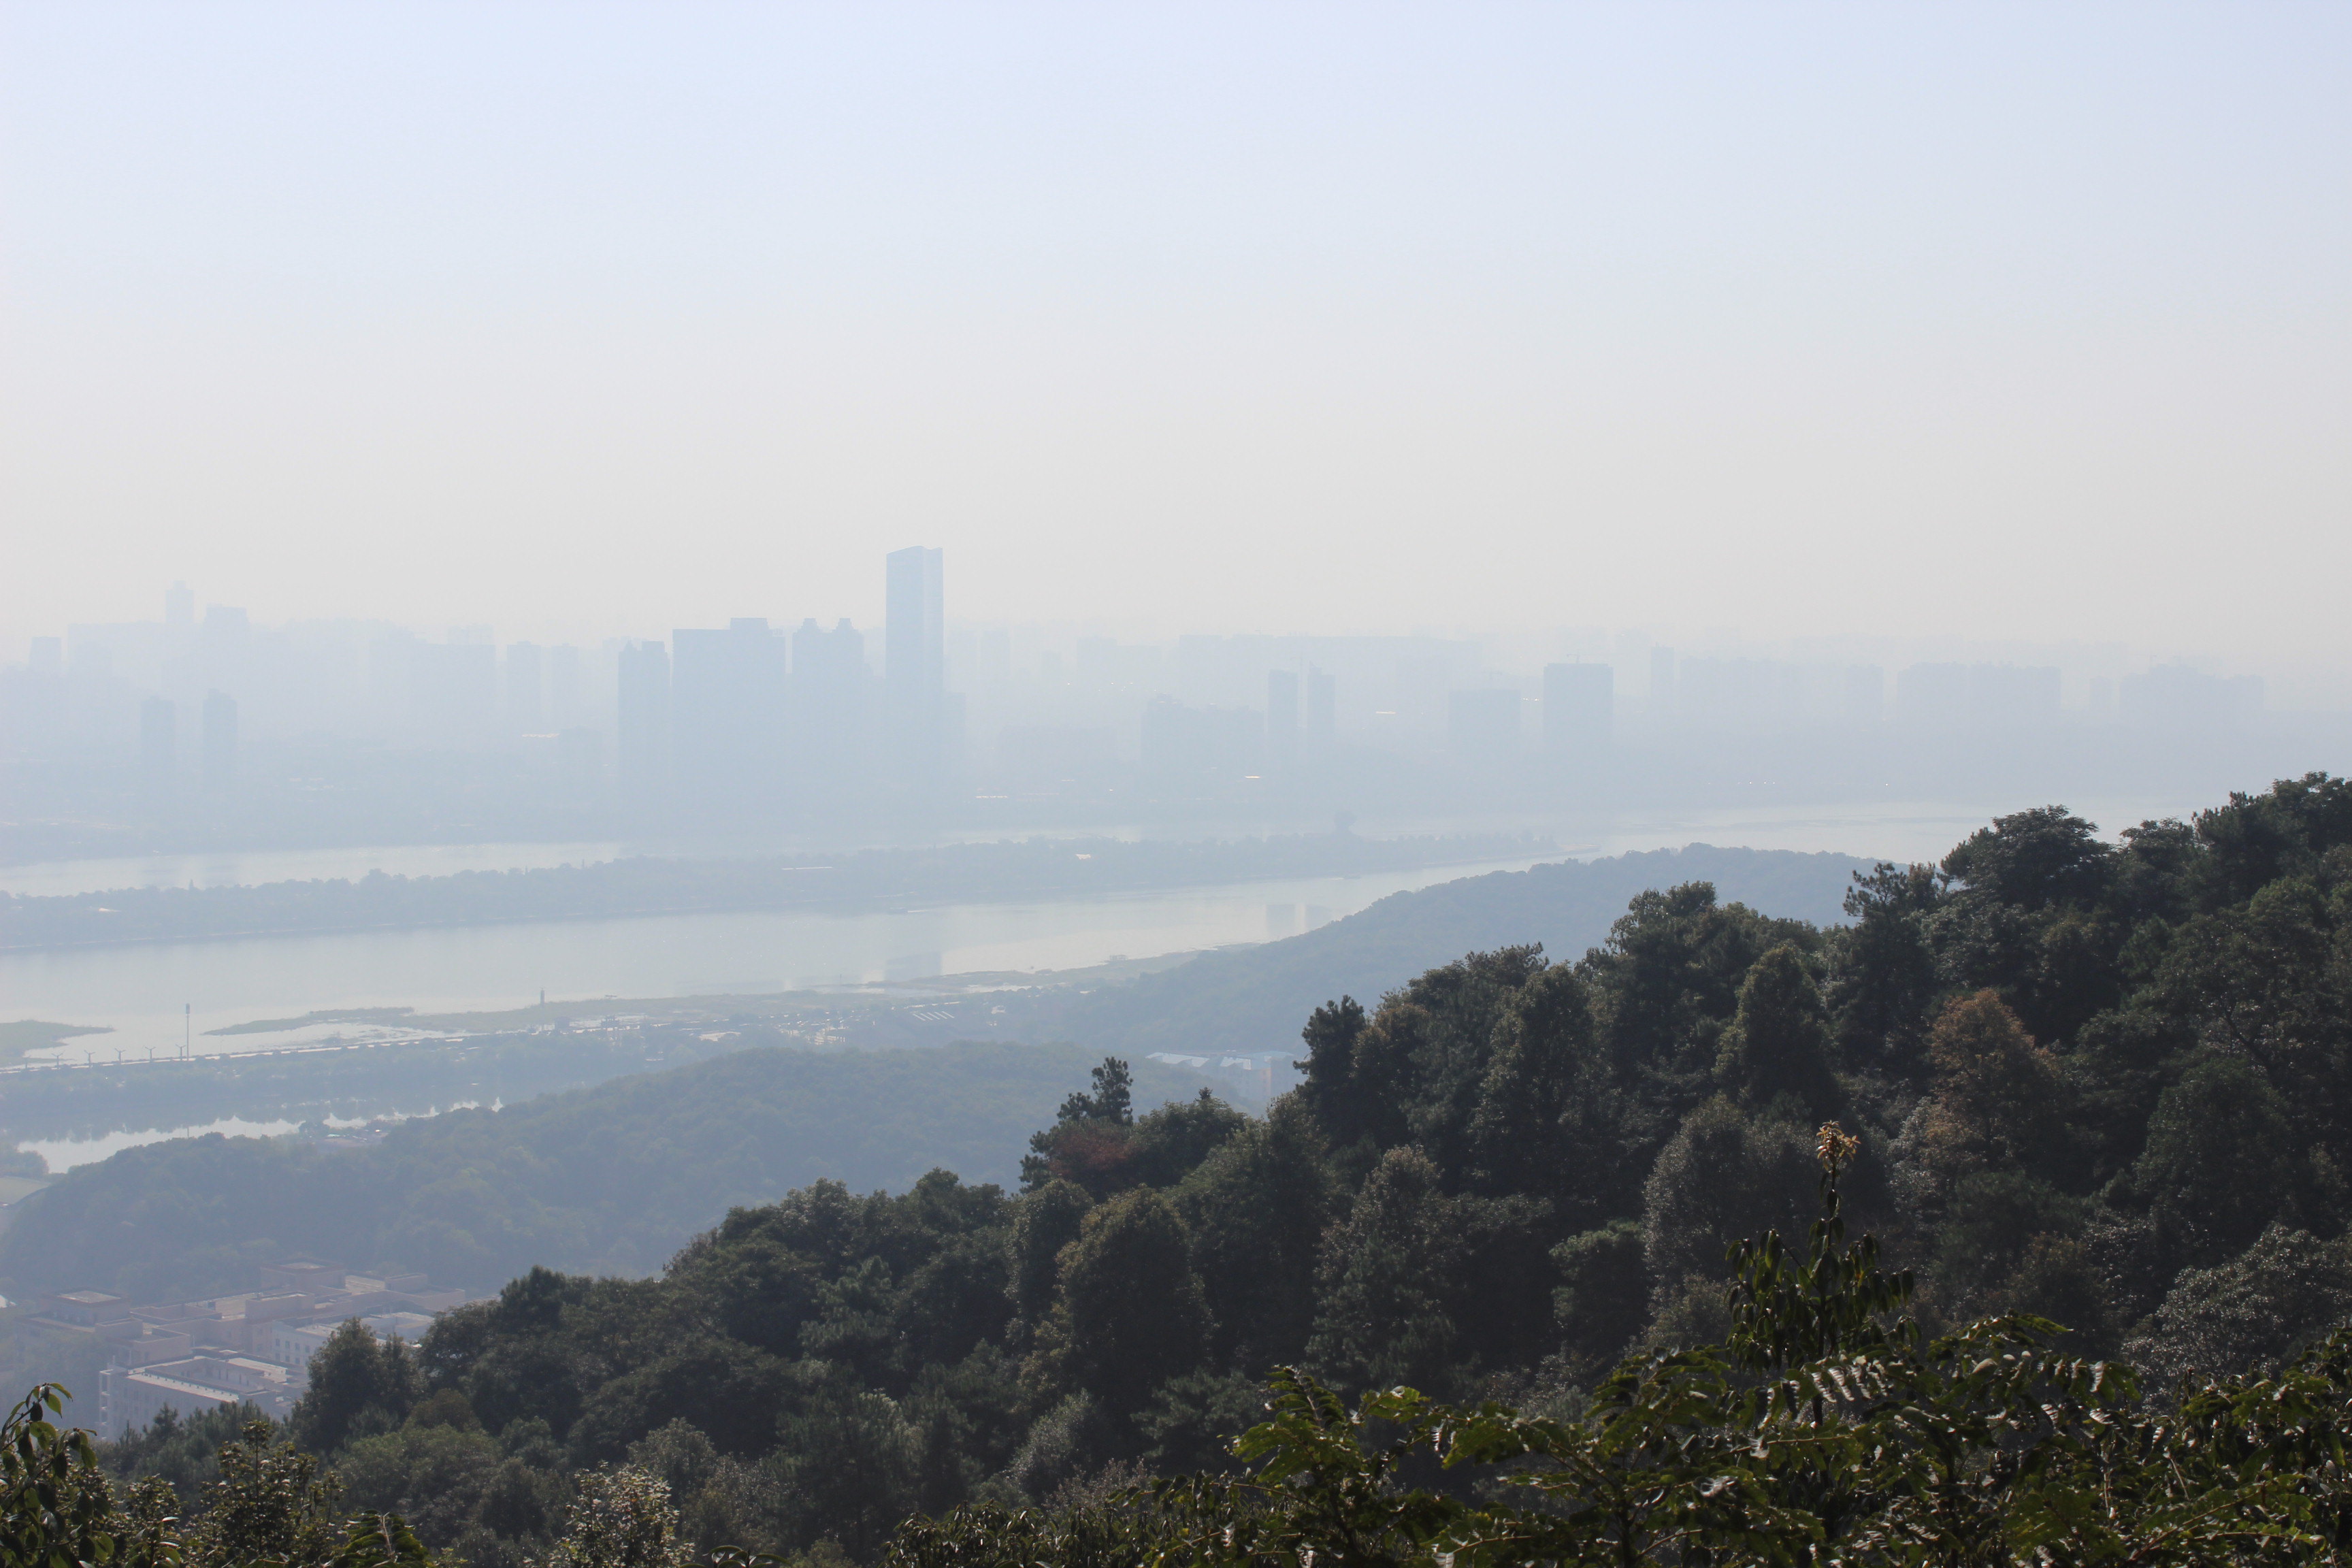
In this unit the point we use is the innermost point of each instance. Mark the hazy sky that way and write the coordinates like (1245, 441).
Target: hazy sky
(574, 318)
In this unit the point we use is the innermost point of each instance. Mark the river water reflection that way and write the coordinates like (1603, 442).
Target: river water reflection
(139, 991)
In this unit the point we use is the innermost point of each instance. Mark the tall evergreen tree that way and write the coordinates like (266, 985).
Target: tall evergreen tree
(1546, 1090)
(358, 1385)
(1777, 1047)
(1883, 980)
(1387, 1276)
(1131, 1314)
(1046, 1221)
(1256, 1210)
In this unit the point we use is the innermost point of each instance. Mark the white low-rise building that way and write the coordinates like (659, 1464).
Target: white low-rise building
(132, 1396)
(292, 1344)
(254, 1348)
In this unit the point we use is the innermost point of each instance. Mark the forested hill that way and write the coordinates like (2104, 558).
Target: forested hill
(2107, 1084)
(475, 1196)
(1251, 999)
(610, 1179)
(2094, 1082)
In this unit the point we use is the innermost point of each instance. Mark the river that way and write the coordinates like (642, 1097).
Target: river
(139, 992)
(159, 997)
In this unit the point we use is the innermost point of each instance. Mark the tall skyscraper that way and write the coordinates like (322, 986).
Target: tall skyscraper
(642, 754)
(914, 646)
(1282, 717)
(829, 688)
(220, 743)
(726, 712)
(180, 608)
(1578, 705)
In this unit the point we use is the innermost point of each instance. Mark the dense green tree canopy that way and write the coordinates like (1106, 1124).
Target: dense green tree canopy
(2093, 1098)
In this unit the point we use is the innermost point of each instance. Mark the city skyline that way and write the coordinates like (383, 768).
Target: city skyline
(955, 640)
(202, 721)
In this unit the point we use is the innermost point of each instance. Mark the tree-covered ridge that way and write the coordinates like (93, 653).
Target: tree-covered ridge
(610, 1179)
(1824, 1428)
(2089, 1084)
(1239, 999)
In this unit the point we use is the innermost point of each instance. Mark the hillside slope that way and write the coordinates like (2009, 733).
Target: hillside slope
(611, 1179)
(1254, 999)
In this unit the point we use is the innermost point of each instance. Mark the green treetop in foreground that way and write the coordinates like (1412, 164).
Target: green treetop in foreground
(1823, 1429)
(2102, 1084)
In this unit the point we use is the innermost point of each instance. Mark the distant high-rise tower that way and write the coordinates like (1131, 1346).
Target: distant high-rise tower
(835, 658)
(1282, 716)
(220, 743)
(829, 689)
(726, 712)
(914, 645)
(180, 607)
(643, 754)
(158, 743)
(1578, 704)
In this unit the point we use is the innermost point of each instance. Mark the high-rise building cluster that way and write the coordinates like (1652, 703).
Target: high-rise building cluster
(361, 728)
(749, 717)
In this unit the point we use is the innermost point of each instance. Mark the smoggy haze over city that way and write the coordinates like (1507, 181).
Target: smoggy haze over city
(805, 782)
(1994, 323)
